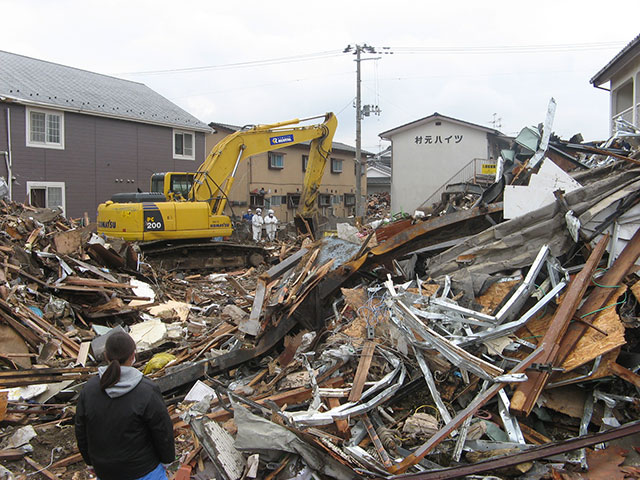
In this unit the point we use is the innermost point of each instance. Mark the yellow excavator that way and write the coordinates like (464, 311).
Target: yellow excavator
(182, 207)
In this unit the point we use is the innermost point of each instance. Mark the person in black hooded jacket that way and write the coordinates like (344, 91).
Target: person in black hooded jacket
(122, 426)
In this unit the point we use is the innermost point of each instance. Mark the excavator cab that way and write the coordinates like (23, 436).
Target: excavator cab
(174, 185)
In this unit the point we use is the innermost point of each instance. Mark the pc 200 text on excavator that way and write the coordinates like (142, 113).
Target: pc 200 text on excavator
(164, 214)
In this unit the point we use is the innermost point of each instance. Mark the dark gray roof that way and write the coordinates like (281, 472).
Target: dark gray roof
(335, 145)
(434, 116)
(225, 126)
(37, 82)
(623, 57)
(379, 180)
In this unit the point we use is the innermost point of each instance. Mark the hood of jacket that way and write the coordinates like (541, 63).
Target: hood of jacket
(129, 379)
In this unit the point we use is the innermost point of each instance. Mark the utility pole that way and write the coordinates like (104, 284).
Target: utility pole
(360, 112)
(359, 199)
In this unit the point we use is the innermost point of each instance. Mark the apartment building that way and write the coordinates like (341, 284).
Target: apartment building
(274, 179)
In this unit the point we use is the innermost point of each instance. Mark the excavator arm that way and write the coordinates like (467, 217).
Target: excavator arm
(214, 178)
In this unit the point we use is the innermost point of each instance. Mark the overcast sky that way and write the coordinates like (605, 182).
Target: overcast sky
(249, 62)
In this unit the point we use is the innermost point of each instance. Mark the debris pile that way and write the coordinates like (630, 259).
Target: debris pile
(378, 205)
(500, 338)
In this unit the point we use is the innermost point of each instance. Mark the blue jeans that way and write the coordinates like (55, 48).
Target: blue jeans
(159, 473)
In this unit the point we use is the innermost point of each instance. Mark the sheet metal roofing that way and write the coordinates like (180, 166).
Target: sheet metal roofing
(31, 81)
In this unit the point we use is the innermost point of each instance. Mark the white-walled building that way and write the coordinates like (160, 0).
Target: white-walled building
(623, 75)
(427, 153)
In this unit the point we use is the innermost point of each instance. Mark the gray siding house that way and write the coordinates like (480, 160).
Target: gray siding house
(71, 138)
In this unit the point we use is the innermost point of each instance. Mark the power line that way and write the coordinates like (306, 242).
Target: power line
(491, 49)
(254, 63)
(415, 50)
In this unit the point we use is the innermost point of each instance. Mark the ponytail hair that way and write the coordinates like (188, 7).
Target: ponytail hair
(119, 348)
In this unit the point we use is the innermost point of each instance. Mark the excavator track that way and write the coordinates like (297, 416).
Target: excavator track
(202, 254)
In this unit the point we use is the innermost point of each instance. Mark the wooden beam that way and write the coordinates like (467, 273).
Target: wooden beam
(341, 425)
(527, 393)
(10, 454)
(362, 371)
(625, 374)
(65, 462)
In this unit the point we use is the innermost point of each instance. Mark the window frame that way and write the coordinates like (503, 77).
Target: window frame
(333, 160)
(47, 113)
(46, 185)
(178, 156)
(253, 203)
(282, 200)
(324, 199)
(271, 156)
(305, 162)
(349, 200)
(293, 200)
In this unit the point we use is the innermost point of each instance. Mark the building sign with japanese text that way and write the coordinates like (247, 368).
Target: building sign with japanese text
(435, 139)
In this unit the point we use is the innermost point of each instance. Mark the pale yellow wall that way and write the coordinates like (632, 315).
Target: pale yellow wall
(254, 174)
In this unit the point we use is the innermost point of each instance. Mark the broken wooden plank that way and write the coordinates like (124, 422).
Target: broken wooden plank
(65, 462)
(362, 371)
(625, 374)
(341, 425)
(600, 295)
(83, 353)
(40, 469)
(94, 282)
(10, 454)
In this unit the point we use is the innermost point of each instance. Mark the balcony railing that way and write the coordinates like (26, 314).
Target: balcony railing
(626, 114)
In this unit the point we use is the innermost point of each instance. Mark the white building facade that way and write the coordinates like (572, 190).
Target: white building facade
(623, 75)
(431, 152)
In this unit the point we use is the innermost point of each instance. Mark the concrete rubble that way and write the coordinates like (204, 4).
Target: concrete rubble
(461, 341)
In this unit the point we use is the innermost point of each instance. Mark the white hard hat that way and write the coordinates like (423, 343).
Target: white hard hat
(270, 211)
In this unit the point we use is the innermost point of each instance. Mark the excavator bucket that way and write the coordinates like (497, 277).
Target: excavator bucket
(305, 225)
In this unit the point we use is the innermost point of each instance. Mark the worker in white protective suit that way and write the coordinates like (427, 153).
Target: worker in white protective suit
(256, 223)
(271, 225)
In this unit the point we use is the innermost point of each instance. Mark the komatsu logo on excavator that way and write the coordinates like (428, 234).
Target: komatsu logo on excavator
(281, 139)
(107, 224)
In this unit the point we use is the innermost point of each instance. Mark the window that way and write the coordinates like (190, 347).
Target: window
(183, 145)
(256, 200)
(276, 160)
(336, 199)
(349, 200)
(305, 162)
(46, 195)
(336, 165)
(277, 200)
(181, 183)
(45, 129)
(293, 200)
(324, 200)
